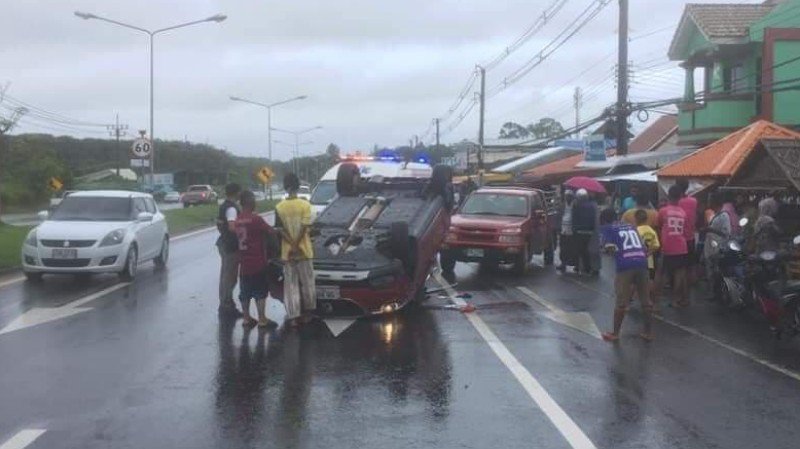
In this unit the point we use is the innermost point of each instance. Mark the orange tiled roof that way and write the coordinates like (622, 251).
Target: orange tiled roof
(725, 156)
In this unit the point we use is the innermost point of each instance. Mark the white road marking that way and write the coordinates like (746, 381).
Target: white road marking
(12, 281)
(580, 321)
(338, 325)
(565, 425)
(752, 357)
(37, 316)
(23, 438)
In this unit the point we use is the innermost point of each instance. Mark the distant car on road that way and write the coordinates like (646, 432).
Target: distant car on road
(304, 193)
(109, 231)
(199, 194)
(172, 197)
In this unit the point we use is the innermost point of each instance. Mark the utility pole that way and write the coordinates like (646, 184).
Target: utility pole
(116, 130)
(622, 81)
(578, 103)
(483, 110)
(437, 133)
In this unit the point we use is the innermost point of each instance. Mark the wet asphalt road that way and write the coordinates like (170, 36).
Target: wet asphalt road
(150, 365)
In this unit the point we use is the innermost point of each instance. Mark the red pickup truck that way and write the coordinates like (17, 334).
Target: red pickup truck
(505, 224)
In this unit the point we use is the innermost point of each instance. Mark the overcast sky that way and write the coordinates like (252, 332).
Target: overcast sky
(375, 71)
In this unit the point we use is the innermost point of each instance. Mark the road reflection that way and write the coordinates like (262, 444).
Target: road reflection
(281, 382)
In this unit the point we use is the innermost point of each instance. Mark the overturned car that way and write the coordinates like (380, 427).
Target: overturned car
(376, 243)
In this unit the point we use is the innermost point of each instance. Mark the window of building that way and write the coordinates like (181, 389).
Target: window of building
(734, 79)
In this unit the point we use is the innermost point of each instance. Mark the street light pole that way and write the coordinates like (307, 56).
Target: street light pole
(151, 33)
(297, 135)
(269, 121)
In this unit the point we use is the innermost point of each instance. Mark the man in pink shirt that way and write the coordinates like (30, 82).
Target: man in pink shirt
(672, 221)
(689, 205)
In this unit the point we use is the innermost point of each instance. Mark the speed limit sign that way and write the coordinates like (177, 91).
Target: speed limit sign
(142, 148)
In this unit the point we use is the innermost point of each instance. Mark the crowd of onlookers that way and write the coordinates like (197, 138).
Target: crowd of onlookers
(672, 245)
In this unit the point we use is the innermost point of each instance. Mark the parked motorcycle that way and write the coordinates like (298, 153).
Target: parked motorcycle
(728, 274)
(777, 297)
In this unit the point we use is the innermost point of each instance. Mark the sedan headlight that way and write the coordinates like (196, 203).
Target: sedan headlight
(30, 240)
(114, 237)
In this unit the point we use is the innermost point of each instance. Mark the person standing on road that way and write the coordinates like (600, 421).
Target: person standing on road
(293, 217)
(566, 245)
(719, 228)
(672, 222)
(252, 232)
(584, 217)
(631, 200)
(622, 240)
(689, 205)
(228, 247)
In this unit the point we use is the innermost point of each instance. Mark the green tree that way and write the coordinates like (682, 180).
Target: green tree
(511, 130)
(546, 128)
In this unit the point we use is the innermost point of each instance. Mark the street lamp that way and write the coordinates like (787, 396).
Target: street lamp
(269, 121)
(297, 135)
(215, 18)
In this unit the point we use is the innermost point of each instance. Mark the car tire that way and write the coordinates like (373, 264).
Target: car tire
(399, 242)
(163, 255)
(33, 276)
(128, 272)
(345, 179)
(447, 261)
(186, 205)
(522, 261)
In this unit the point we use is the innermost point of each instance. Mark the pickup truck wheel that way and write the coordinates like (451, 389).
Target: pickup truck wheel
(347, 178)
(521, 263)
(398, 234)
(186, 205)
(447, 260)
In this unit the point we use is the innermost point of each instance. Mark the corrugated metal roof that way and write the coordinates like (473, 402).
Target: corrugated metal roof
(725, 156)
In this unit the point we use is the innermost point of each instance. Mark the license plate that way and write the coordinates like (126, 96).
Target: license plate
(474, 252)
(328, 292)
(65, 253)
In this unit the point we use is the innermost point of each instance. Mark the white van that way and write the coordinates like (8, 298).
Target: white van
(325, 190)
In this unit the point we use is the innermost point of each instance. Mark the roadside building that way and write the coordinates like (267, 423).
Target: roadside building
(746, 60)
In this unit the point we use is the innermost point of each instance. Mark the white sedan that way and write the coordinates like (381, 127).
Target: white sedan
(97, 232)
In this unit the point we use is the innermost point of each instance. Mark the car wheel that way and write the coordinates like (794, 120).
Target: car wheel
(186, 205)
(521, 263)
(346, 179)
(447, 260)
(441, 177)
(163, 255)
(128, 273)
(33, 277)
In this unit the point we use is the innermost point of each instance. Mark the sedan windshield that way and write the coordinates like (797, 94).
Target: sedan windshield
(91, 208)
(324, 193)
(496, 204)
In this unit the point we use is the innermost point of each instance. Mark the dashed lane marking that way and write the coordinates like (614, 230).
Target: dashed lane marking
(23, 439)
(565, 425)
(752, 357)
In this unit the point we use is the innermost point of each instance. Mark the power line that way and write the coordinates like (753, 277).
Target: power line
(537, 26)
(592, 11)
(55, 117)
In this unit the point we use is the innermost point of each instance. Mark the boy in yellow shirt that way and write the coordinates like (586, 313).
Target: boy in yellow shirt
(650, 238)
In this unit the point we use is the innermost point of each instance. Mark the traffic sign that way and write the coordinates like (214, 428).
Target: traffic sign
(265, 174)
(55, 183)
(141, 148)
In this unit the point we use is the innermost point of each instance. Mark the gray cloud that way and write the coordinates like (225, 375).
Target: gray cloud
(376, 72)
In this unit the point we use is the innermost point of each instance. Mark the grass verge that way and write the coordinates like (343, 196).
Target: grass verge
(11, 238)
(184, 220)
(179, 221)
